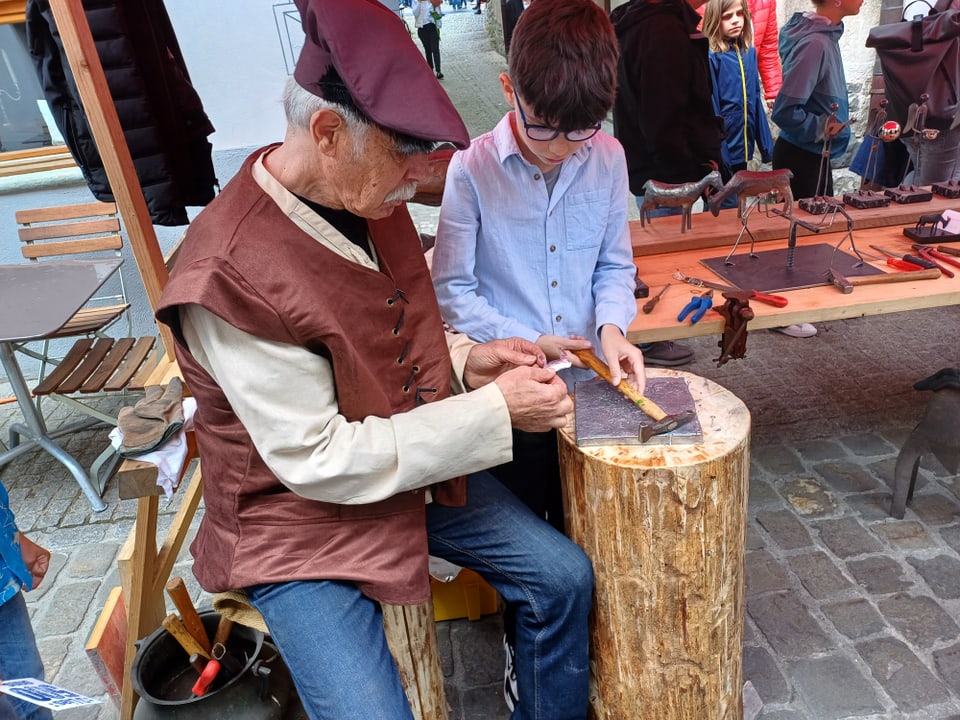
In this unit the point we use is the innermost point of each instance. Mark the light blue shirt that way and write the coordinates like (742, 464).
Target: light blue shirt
(13, 571)
(511, 260)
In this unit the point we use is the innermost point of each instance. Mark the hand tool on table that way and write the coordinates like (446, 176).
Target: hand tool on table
(174, 625)
(662, 421)
(698, 305)
(650, 304)
(846, 284)
(935, 256)
(915, 260)
(955, 251)
(775, 300)
(178, 592)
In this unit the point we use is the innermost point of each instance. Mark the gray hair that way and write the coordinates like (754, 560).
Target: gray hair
(300, 105)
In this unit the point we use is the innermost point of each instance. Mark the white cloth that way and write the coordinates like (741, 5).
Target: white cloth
(169, 457)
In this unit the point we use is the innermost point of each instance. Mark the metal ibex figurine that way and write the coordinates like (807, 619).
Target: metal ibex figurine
(682, 195)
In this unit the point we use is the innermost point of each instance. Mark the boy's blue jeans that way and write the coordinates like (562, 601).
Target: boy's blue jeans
(19, 658)
(331, 636)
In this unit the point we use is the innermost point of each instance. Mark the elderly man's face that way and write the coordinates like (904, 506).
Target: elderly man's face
(375, 178)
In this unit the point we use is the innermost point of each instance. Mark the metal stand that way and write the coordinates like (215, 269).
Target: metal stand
(37, 433)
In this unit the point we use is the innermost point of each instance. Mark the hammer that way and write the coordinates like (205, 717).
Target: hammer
(663, 423)
(846, 284)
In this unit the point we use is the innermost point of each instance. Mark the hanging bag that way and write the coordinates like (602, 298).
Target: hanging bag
(922, 56)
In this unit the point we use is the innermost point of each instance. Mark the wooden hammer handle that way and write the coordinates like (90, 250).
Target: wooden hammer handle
(174, 625)
(891, 277)
(178, 592)
(590, 359)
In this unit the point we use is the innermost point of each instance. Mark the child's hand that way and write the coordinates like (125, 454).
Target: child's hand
(554, 345)
(623, 358)
(36, 558)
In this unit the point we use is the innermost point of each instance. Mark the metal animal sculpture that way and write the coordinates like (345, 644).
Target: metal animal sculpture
(681, 195)
(935, 434)
(751, 183)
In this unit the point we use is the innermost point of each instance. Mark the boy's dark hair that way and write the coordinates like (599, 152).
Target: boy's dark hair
(563, 62)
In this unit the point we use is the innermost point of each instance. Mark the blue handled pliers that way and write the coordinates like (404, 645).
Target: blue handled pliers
(700, 304)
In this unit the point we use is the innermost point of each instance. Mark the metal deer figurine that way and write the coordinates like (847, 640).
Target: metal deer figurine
(682, 195)
(751, 183)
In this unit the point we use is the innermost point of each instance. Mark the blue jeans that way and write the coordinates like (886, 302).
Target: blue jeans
(19, 658)
(331, 636)
(939, 159)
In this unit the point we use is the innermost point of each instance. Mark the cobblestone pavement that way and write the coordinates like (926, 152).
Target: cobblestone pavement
(849, 613)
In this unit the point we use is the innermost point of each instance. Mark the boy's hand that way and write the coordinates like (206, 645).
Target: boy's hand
(623, 358)
(36, 558)
(487, 361)
(554, 345)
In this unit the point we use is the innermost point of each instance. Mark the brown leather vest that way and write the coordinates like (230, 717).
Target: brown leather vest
(246, 262)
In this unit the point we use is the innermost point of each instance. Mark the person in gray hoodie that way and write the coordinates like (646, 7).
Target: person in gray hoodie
(813, 81)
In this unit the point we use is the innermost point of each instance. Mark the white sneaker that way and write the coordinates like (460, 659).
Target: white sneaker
(510, 695)
(803, 330)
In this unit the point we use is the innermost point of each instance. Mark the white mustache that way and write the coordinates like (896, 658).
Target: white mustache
(404, 193)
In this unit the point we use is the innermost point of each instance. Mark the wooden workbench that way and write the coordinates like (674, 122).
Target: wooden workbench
(660, 249)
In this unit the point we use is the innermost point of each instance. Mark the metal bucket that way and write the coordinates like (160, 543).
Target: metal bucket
(163, 678)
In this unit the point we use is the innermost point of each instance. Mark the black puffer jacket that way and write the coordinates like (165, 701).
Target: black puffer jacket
(162, 117)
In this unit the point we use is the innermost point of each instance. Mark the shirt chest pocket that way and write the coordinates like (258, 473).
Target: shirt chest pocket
(585, 219)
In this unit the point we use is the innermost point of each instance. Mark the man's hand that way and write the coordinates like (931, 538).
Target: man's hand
(622, 356)
(536, 398)
(554, 345)
(36, 558)
(487, 361)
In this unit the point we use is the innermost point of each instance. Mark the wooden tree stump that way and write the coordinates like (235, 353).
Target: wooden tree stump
(664, 527)
(412, 638)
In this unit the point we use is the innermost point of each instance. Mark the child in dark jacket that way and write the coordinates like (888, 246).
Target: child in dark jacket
(736, 83)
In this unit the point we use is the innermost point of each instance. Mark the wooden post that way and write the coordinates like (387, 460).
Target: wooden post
(412, 638)
(664, 527)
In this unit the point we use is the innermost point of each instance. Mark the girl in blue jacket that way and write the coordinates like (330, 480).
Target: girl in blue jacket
(736, 83)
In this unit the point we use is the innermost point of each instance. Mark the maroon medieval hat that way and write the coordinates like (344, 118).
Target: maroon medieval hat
(385, 74)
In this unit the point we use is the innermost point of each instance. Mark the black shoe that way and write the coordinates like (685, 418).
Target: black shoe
(666, 354)
(439, 76)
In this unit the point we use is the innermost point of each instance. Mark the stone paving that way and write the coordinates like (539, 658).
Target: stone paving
(849, 613)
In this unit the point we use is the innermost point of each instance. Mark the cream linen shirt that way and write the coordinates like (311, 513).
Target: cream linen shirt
(285, 397)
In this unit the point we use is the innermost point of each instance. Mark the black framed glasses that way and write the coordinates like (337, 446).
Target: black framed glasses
(543, 133)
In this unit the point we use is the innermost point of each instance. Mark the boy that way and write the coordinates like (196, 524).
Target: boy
(532, 239)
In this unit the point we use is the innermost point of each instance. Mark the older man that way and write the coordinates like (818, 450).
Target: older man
(307, 328)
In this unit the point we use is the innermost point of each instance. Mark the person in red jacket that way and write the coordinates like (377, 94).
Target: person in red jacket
(766, 40)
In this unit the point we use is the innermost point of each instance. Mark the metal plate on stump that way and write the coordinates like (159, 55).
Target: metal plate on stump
(605, 417)
(767, 271)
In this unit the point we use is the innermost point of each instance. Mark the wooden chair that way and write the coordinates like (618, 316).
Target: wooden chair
(96, 363)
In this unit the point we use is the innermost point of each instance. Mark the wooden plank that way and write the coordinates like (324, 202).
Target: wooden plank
(817, 304)
(90, 363)
(663, 234)
(131, 363)
(107, 366)
(65, 367)
(77, 228)
(34, 251)
(64, 212)
(107, 644)
(90, 319)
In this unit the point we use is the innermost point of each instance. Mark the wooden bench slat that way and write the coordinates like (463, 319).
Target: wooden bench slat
(105, 243)
(64, 212)
(111, 361)
(66, 366)
(86, 368)
(88, 320)
(78, 229)
(132, 362)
